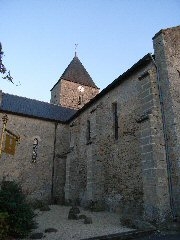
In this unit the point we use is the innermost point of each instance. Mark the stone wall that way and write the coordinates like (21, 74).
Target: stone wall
(154, 167)
(167, 53)
(61, 149)
(35, 177)
(55, 94)
(67, 94)
(100, 167)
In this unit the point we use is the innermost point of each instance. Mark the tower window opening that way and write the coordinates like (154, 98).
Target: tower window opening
(115, 120)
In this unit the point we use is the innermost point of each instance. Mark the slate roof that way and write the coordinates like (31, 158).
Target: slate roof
(76, 72)
(33, 108)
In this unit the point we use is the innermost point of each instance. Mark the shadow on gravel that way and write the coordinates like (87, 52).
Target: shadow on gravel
(160, 236)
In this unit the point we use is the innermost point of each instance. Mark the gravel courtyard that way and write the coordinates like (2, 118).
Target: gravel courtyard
(57, 218)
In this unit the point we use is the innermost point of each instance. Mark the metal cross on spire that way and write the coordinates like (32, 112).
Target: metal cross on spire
(76, 45)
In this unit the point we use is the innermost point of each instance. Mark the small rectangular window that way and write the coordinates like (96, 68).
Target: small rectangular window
(115, 120)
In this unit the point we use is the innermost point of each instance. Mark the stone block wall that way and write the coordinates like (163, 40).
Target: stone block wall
(35, 177)
(60, 157)
(76, 169)
(55, 94)
(103, 168)
(154, 167)
(67, 94)
(167, 57)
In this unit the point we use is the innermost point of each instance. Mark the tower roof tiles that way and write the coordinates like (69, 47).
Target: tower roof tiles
(76, 72)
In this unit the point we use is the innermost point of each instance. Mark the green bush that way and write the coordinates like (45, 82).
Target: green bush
(20, 214)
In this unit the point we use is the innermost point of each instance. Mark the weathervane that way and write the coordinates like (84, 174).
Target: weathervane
(76, 45)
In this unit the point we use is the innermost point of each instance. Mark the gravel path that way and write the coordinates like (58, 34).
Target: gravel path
(57, 218)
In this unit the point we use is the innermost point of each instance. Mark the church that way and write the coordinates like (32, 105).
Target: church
(119, 147)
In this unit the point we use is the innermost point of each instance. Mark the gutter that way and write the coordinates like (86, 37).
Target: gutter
(168, 161)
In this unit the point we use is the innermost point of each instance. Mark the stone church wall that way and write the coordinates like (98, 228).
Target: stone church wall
(55, 94)
(35, 177)
(154, 166)
(59, 175)
(68, 95)
(167, 52)
(103, 168)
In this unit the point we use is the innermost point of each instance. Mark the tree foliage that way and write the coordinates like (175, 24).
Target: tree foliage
(19, 213)
(3, 70)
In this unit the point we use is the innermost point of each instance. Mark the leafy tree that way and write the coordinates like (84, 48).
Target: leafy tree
(19, 213)
(3, 70)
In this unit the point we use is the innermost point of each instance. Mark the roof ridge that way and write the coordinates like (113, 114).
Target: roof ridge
(24, 97)
(34, 108)
(31, 99)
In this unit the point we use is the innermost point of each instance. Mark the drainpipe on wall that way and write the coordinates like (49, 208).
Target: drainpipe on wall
(168, 162)
(53, 163)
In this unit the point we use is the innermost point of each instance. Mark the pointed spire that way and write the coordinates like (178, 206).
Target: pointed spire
(76, 72)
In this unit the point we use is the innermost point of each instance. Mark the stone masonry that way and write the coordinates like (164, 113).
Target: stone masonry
(167, 52)
(155, 185)
(69, 94)
(103, 161)
(35, 178)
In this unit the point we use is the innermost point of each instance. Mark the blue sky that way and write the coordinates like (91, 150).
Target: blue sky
(39, 37)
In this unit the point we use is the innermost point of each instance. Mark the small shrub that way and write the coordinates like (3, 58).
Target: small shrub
(20, 214)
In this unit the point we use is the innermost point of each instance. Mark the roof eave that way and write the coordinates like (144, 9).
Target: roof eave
(32, 116)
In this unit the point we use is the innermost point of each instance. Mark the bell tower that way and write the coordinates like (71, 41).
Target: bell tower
(75, 87)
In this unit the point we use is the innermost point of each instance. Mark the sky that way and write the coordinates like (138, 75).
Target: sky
(39, 36)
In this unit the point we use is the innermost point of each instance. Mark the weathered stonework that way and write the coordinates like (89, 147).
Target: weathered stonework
(67, 94)
(35, 177)
(104, 160)
(167, 52)
(155, 183)
(60, 157)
